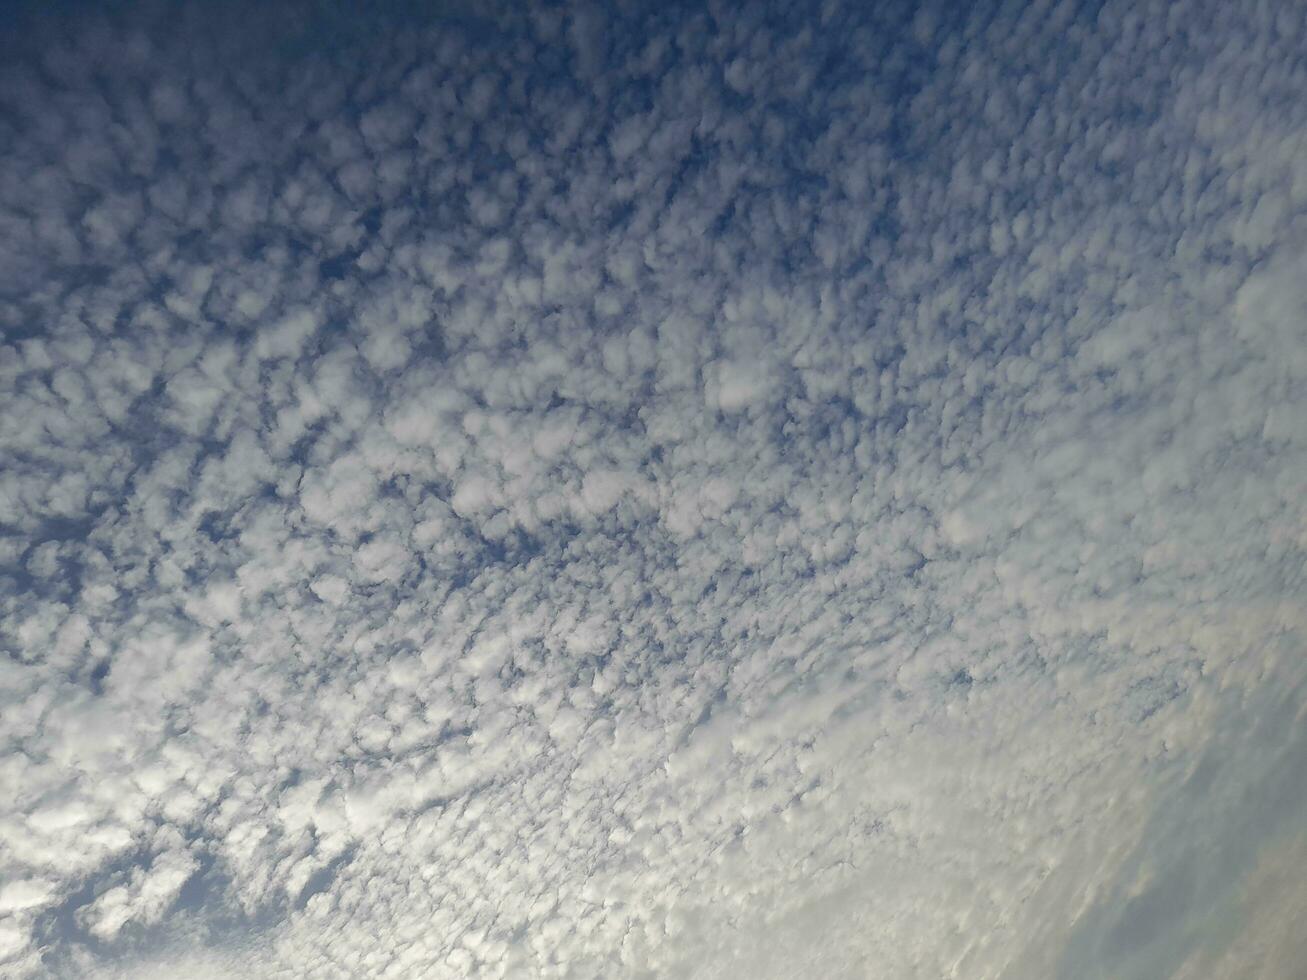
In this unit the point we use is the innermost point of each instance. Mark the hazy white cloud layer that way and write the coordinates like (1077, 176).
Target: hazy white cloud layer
(689, 492)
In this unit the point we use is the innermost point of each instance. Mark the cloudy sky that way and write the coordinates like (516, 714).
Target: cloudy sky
(654, 490)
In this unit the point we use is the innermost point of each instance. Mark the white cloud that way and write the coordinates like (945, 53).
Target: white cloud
(25, 894)
(754, 492)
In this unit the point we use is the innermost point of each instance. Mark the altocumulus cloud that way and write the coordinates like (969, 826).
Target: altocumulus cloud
(671, 491)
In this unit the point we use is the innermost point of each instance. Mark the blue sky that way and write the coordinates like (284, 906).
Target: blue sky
(653, 491)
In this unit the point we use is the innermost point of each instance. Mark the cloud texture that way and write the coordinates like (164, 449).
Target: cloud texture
(683, 491)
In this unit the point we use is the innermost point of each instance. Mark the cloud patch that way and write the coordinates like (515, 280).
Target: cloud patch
(656, 492)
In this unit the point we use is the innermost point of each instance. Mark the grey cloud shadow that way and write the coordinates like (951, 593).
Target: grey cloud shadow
(1247, 793)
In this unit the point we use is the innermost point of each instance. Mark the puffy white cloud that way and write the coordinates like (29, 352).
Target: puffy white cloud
(740, 492)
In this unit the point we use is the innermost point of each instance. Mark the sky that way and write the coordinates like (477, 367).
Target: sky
(653, 490)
